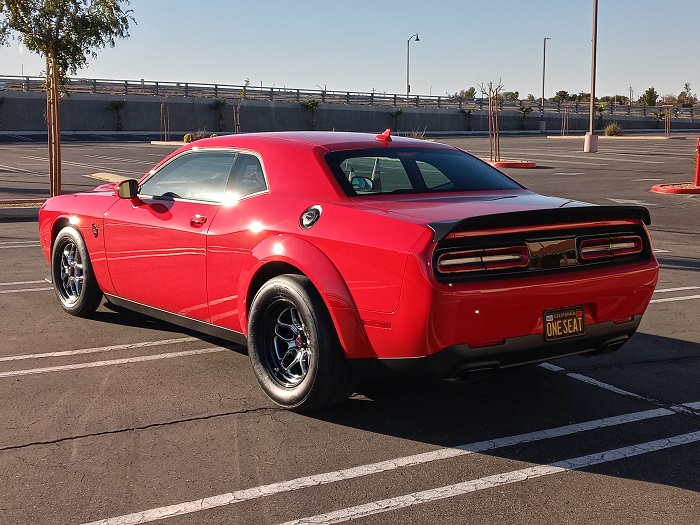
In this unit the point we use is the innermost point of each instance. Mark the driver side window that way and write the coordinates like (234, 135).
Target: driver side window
(199, 176)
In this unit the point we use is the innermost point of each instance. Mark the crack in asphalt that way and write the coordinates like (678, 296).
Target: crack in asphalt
(678, 408)
(140, 428)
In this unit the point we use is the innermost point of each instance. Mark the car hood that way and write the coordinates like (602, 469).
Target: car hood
(426, 209)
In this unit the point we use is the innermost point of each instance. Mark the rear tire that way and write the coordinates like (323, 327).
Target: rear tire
(73, 279)
(294, 349)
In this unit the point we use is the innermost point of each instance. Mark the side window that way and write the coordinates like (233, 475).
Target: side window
(200, 176)
(248, 176)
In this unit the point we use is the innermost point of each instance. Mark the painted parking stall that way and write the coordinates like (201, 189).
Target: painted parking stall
(124, 419)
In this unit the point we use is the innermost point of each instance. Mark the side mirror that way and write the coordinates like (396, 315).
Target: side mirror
(127, 189)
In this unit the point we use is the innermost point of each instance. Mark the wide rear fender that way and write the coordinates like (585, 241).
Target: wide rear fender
(285, 251)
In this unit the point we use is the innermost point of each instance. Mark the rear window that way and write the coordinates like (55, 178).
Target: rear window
(414, 170)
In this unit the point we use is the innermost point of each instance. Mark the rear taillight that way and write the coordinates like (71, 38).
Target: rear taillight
(609, 247)
(483, 260)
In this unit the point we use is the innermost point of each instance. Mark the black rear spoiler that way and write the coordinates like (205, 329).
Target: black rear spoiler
(538, 217)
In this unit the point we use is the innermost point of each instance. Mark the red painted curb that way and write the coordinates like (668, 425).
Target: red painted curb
(515, 164)
(673, 188)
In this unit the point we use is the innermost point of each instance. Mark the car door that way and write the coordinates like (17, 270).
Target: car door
(156, 243)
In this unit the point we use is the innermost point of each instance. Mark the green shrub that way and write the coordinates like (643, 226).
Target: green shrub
(613, 129)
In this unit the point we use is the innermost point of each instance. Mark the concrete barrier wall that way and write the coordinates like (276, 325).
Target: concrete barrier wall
(24, 112)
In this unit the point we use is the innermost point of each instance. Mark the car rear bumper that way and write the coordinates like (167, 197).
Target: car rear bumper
(460, 362)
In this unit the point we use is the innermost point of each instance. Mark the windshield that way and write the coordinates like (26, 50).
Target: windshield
(414, 170)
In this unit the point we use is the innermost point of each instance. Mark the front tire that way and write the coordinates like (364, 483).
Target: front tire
(73, 279)
(293, 346)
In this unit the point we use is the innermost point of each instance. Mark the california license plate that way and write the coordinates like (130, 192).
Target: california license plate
(563, 322)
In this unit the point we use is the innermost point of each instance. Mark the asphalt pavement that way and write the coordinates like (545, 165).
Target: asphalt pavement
(123, 419)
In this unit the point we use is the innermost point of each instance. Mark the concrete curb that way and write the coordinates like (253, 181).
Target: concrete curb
(634, 137)
(677, 188)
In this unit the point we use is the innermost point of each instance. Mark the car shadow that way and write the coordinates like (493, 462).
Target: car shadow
(531, 399)
(112, 314)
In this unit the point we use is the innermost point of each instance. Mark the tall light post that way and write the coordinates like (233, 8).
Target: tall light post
(408, 64)
(590, 144)
(543, 123)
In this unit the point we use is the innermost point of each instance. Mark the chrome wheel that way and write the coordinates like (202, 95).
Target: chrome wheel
(73, 279)
(292, 352)
(70, 284)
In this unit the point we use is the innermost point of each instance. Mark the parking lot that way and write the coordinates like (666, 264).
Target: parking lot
(121, 419)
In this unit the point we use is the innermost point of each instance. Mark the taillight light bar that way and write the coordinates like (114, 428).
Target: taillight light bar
(484, 260)
(608, 247)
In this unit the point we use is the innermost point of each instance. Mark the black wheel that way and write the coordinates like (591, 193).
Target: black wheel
(73, 279)
(293, 347)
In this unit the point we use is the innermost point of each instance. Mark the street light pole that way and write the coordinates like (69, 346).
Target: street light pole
(543, 124)
(590, 144)
(408, 64)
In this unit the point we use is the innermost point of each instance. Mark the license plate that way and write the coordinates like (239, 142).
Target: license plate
(563, 323)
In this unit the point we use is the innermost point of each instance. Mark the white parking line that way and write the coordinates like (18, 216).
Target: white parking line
(594, 382)
(18, 283)
(671, 299)
(231, 498)
(100, 349)
(22, 290)
(679, 289)
(119, 159)
(79, 366)
(498, 480)
(20, 246)
(82, 165)
(22, 171)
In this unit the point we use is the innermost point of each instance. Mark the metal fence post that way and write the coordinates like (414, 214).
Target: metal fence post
(126, 87)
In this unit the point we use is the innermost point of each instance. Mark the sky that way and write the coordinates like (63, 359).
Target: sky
(361, 45)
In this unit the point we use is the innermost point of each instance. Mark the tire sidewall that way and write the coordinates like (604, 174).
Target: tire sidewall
(289, 290)
(86, 300)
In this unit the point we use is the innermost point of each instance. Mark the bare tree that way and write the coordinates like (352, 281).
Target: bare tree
(491, 92)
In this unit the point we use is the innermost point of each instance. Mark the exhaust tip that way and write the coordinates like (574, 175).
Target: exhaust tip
(472, 373)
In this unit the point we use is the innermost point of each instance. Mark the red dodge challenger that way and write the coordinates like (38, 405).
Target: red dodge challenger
(333, 255)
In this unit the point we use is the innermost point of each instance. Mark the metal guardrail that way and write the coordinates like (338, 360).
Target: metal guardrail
(223, 91)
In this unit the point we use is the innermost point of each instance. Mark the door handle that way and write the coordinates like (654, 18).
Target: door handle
(198, 219)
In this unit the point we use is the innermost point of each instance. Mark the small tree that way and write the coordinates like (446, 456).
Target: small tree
(218, 105)
(116, 107)
(468, 114)
(396, 114)
(561, 96)
(686, 98)
(65, 32)
(600, 108)
(525, 110)
(462, 96)
(312, 105)
(649, 97)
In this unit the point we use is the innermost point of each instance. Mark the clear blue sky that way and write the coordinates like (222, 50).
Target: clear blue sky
(359, 45)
